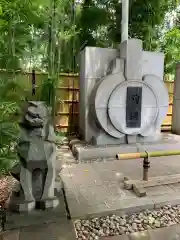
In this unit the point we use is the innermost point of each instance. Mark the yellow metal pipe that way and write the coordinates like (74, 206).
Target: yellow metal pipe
(126, 156)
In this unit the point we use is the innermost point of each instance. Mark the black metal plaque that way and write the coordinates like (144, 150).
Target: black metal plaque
(133, 107)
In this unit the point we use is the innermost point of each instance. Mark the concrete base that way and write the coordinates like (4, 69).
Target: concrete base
(63, 229)
(82, 151)
(97, 189)
(104, 139)
(23, 219)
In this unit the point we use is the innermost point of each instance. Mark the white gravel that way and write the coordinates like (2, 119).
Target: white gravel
(118, 225)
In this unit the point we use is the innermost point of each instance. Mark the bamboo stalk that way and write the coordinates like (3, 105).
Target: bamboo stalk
(128, 156)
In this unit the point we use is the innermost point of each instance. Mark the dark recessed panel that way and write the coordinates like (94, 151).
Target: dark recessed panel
(133, 107)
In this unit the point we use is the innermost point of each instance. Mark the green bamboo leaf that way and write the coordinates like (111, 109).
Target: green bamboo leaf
(1, 10)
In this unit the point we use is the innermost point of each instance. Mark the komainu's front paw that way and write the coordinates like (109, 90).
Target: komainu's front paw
(48, 203)
(27, 206)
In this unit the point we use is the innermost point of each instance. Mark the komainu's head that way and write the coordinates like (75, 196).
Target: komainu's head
(35, 114)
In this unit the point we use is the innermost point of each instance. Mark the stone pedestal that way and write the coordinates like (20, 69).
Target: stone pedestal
(36, 216)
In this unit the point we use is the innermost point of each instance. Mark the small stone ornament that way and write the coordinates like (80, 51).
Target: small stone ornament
(36, 150)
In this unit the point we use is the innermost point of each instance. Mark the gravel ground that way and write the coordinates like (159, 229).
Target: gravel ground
(119, 225)
(6, 185)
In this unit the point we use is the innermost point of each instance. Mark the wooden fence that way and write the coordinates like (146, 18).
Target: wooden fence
(67, 93)
(167, 124)
(67, 110)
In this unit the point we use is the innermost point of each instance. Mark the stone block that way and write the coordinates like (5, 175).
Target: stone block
(95, 61)
(16, 220)
(153, 64)
(115, 66)
(166, 199)
(102, 71)
(177, 82)
(131, 52)
(103, 151)
(176, 116)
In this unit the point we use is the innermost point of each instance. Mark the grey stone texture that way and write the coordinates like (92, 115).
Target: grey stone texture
(83, 151)
(64, 231)
(15, 220)
(37, 153)
(99, 189)
(104, 77)
(96, 189)
(176, 103)
(131, 51)
(61, 230)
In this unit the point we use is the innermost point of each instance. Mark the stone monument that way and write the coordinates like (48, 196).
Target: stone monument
(123, 102)
(37, 154)
(123, 98)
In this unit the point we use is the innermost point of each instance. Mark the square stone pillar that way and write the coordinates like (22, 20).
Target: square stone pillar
(176, 103)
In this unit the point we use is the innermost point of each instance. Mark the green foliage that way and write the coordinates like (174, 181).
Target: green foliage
(15, 25)
(170, 45)
(11, 96)
(24, 24)
(144, 18)
(47, 91)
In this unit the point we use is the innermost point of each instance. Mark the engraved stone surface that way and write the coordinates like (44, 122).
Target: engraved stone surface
(133, 107)
(103, 86)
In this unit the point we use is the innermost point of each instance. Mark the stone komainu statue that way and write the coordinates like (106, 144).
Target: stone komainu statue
(37, 153)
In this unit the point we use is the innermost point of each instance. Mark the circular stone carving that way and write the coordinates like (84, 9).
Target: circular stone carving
(109, 104)
(102, 94)
(117, 107)
(161, 93)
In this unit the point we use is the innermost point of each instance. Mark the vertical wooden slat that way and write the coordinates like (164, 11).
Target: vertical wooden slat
(167, 124)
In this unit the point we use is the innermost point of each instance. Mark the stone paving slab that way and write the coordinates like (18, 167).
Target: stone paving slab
(11, 235)
(61, 230)
(56, 231)
(65, 231)
(18, 220)
(96, 189)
